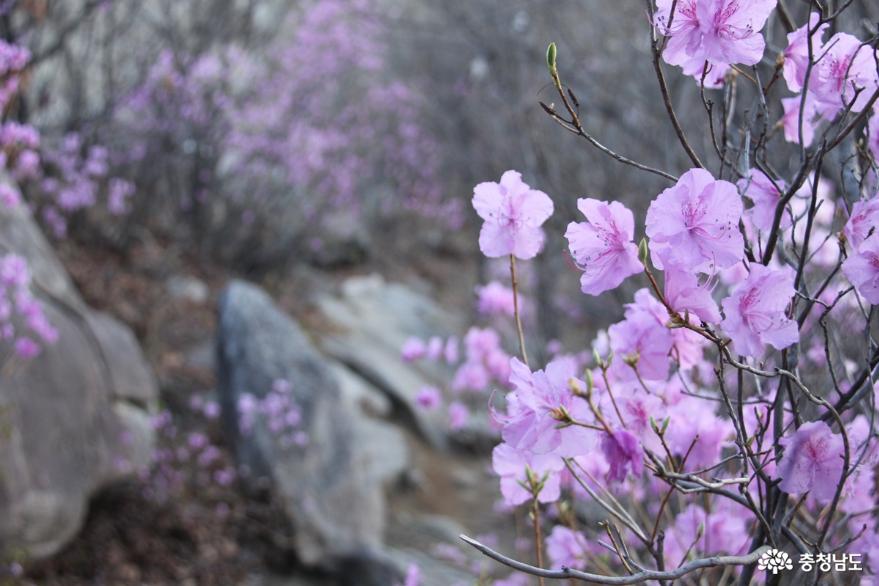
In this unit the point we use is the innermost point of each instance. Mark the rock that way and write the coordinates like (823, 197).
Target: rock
(344, 242)
(188, 288)
(373, 320)
(331, 488)
(73, 420)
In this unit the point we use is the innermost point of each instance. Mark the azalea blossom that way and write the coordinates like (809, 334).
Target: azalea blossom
(532, 423)
(459, 415)
(873, 130)
(755, 312)
(812, 461)
(845, 66)
(718, 33)
(623, 453)
(699, 533)
(791, 119)
(862, 269)
(566, 548)
(603, 246)
(495, 299)
(687, 295)
(765, 193)
(428, 398)
(640, 343)
(796, 55)
(695, 223)
(513, 214)
(863, 221)
(513, 467)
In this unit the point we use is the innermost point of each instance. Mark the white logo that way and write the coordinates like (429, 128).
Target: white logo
(775, 561)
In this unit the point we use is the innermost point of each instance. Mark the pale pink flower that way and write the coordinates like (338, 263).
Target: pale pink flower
(791, 119)
(494, 299)
(873, 130)
(603, 247)
(428, 398)
(765, 193)
(755, 312)
(863, 221)
(812, 461)
(701, 533)
(862, 269)
(513, 214)
(459, 415)
(9, 196)
(413, 349)
(566, 548)
(531, 424)
(717, 32)
(623, 453)
(697, 430)
(687, 295)
(695, 223)
(796, 55)
(641, 342)
(845, 66)
(513, 466)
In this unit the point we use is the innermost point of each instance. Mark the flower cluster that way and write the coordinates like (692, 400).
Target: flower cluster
(23, 322)
(277, 410)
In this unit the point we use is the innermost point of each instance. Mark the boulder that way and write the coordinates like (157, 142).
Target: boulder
(372, 319)
(331, 487)
(72, 420)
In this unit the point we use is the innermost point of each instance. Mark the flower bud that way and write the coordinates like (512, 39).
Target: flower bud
(551, 52)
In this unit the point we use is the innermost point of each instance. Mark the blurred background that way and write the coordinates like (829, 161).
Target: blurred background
(237, 214)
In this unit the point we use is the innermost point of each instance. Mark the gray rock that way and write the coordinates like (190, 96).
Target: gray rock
(331, 489)
(73, 420)
(188, 288)
(373, 320)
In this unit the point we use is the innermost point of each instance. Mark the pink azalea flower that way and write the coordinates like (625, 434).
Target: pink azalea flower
(696, 429)
(623, 453)
(844, 66)
(702, 533)
(696, 222)
(603, 247)
(763, 192)
(686, 295)
(531, 424)
(428, 398)
(863, 222)
(413, 576)
(26, 348)
(9, 196)
(459, 415)
(512, 465)
(812, 461)
(413, 349)
(796, 56)
(641, 339)
(719, 32)
(494, 299)
(791, 119)
(873, 129)
(862, 269)
(513, 214)
(566, 548)
(755, 312)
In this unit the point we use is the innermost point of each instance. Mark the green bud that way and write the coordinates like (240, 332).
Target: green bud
(590, 382)
(665, 424)
(643, 251)
(551, 52)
